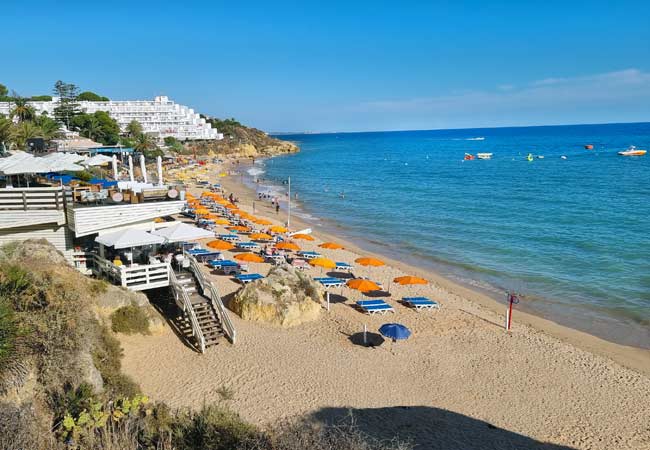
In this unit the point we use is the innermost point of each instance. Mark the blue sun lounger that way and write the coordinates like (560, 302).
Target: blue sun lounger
(375, 306)
(421, 303)
(330, 281)
(243, 279)
(229, 237)
(248, 245)
(344, 266)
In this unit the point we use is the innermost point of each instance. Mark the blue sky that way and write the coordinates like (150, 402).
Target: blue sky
(344, 66)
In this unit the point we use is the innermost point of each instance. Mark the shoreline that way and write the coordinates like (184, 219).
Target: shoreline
(631, 357)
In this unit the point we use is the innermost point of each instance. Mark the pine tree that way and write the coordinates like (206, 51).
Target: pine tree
(67, 106)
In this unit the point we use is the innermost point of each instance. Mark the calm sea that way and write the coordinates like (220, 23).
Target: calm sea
(572, 234)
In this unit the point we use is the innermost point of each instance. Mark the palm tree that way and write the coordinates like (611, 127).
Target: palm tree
(144, 142)
(22, 109)
(92, 128)
(49, 128)
(23, 131)
(134, 129)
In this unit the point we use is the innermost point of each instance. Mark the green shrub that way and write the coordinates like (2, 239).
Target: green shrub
(98, 287)
(211, 427)
(107, 356)
(129, 320)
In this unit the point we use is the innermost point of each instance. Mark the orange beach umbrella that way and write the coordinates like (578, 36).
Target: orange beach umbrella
(218, 244)
(305, 237)
(362, 285)
(221, 221)
(261, 237)
(278, 229)
(238, 228)
(365, 261)
(410, 280)
(262, 222)
(322, 262)
(287, 246)
(249, 257)
(331, 245)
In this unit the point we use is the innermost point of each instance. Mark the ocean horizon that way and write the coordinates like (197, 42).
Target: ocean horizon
(568, 229)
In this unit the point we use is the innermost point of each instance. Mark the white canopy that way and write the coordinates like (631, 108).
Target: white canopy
(130, 237)
(181, 232)
(97, 160)
(24, 163)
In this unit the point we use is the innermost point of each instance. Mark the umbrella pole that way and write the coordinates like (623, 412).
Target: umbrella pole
(365, 332)
(328, 301)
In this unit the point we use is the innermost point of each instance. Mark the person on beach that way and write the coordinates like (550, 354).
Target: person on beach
(277, 208)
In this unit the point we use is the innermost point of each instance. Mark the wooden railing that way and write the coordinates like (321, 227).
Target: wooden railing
(183, 301)
(134, 278)
(210, 291)
(32, 199)
(149, 276)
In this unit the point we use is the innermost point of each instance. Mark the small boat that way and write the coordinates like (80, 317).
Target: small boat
(540, 156)
(484, 155)
(468, 157)
(589, 147)
(529, 157)
(633, 151)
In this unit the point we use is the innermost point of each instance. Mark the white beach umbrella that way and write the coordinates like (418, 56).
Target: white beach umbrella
(97, 160)
(130, 237)
(182, 232)
(115, 174)
(160, 173)
(131, 169)
(143, 168)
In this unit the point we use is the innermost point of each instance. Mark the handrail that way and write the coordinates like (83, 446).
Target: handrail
(179, 291)
(212, 293)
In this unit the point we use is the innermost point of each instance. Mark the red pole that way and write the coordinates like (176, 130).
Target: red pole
(510, 312)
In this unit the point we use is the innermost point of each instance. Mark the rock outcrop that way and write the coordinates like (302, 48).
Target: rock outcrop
(286, 297)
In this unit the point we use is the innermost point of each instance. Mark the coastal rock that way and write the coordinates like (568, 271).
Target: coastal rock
(116, 297)
(286, 297)
(89, 372)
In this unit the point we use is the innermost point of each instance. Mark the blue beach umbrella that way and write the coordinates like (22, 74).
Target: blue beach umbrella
(394, 331)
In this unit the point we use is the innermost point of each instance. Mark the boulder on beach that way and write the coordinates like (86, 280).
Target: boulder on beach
(286, 297)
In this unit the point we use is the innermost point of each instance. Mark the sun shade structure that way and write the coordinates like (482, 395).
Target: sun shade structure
(287, 246)
(362, 285)
(369, 262)
(325, 263)
(279, 229)
(183, 232)
(26, 163)
(410, 280)
(262, 222)
(261, 237)
(97, 160)
(218, 244)
(331, 246)
(249, 257)
(304, 237)
(202, 211)
(394, 331)
(221, 221)
(131, 237)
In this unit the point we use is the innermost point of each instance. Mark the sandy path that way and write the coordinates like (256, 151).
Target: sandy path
(458, 371)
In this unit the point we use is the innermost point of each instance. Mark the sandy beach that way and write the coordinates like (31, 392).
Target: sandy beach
(460, 381)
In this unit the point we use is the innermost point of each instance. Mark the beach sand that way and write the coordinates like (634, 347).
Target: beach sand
(460, 381)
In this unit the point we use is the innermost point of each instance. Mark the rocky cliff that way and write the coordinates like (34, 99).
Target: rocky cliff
(242, 141)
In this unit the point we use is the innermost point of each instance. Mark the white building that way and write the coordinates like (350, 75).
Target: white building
(160, 117)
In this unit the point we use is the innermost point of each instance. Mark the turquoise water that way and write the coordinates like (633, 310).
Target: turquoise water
(572, 234)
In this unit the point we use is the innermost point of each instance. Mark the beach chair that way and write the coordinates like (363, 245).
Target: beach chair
(343, 266)
(374, 306)
(245, 279)
(330, 281)
(420, 303)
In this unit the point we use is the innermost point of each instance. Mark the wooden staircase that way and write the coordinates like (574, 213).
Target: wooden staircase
(207, 318)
